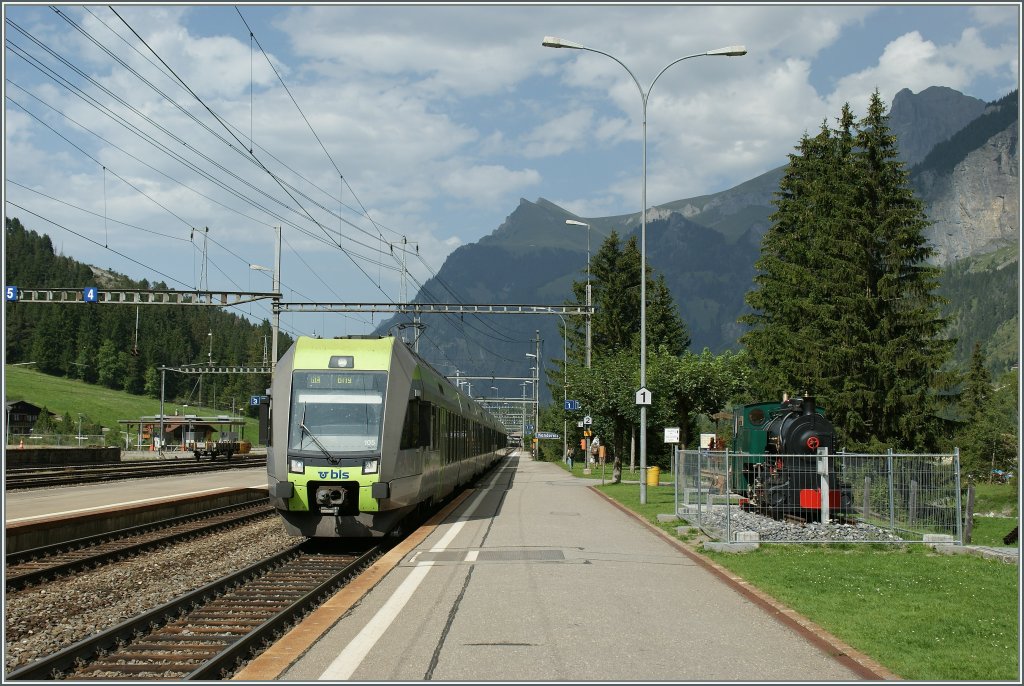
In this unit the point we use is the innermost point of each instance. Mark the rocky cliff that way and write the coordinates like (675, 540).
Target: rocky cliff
(976, 208)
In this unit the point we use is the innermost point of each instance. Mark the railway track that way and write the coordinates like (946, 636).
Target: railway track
(30, 567)
(205, 634)
(38, 477)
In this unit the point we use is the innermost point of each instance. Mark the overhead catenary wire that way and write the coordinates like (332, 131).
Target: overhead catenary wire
(296, 192)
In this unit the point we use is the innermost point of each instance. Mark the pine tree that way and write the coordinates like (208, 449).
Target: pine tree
(909, 350)
(845, 304)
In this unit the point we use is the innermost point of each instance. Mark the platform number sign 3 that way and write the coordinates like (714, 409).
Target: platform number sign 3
(643, 397)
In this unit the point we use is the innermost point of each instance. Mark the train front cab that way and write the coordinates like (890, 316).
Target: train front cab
(749, 442)
(327, 472)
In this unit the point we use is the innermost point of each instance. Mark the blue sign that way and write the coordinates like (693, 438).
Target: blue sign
(572, 404)
(11, 294)
(547, 434)
(254, 400)
(529, 427)
(91, 294)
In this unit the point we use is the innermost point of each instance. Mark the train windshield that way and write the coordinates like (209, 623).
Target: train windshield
(337, 412)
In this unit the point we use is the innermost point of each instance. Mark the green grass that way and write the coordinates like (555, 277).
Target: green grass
(924, 615)
(98, 404)
(998, 498)
(990, 530)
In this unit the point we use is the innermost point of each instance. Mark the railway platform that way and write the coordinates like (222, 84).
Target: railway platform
(534, 576)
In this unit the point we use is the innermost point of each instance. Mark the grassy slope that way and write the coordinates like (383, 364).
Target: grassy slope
(96, 403)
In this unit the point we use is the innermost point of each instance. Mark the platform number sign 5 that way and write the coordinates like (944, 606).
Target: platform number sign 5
(11, 293)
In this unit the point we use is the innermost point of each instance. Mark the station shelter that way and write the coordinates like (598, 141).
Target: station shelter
(178, 430)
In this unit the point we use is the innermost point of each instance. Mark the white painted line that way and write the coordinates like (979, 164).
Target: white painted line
(356, 651)
(472, 555)
(130, 502)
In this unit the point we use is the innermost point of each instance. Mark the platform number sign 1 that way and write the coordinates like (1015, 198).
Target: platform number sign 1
(90, 294)
(643, 397)
(11, 293)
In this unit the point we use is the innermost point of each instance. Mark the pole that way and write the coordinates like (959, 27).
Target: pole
(536, 393)
(552, 42)
(277, 299)
(163, 375)
(588, 296)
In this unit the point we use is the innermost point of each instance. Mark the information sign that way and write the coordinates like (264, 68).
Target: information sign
(643, 397)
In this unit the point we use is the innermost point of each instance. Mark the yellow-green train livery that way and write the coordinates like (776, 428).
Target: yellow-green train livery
(363, 431)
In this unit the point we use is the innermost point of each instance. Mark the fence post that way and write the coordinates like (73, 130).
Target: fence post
(699, 480)
(892, 504)
(675, 482)
(867, 498)
(956, 477)
(728, 499)
(970, 513)
(912, 507)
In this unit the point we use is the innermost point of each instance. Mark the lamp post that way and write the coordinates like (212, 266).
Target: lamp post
(79, 436)
(573, 222)
(730, 51)
(276, 276)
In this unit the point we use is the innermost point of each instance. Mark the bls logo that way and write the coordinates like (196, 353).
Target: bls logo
(332, 474)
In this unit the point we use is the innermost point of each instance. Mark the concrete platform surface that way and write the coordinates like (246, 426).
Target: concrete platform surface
(536, 577)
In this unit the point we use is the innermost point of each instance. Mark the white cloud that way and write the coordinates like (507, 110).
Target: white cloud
(486, 184)
(441, 117)
(558, 135)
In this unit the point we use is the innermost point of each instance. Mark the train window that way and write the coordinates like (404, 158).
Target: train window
(337, 412)
(424, 417)
(411, 426)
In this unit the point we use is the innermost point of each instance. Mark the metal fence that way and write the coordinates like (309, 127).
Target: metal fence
(891, 498)
(58, 440)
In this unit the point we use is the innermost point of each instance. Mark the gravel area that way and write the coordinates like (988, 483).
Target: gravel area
(41, 620)
(774, 530)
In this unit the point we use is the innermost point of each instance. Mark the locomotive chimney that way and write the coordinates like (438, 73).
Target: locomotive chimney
(809, 404)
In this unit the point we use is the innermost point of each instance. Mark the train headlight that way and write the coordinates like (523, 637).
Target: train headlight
(296, 466)
(371, 466)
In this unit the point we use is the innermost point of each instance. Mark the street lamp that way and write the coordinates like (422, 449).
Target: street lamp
(730, 51)
(79, 436)
(573, 222)
(276, 306)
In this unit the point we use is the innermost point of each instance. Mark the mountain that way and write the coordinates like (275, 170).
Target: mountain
(962, 154)
(924, 120)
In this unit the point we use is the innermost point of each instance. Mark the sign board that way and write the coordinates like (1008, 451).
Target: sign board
(587, 421)
(572, 404)
(547, 434)
(529, 427)
(11, 294)
(587, 434)
(579, 424)
(672, 434)
(90, 294)
(643, 397)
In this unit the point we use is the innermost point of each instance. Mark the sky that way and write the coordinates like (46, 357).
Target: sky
(166, 142)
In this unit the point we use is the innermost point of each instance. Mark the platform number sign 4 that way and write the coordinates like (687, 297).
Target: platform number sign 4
(11, 293)
(90, 294)
(643, 397)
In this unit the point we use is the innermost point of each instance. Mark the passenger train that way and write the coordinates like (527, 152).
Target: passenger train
(363, 431)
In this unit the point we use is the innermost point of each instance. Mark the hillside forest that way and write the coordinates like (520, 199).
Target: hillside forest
(122, 347)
